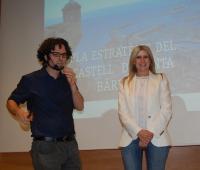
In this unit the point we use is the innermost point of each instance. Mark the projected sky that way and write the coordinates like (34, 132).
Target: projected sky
(103, 33)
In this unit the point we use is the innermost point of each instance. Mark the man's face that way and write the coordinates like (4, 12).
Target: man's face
(58, 57)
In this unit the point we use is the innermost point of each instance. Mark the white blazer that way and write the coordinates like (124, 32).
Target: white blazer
(159, 110)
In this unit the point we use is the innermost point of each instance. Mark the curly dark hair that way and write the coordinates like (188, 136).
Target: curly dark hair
(48, 45)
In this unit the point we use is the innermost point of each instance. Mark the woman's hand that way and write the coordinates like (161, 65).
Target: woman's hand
(145, 137)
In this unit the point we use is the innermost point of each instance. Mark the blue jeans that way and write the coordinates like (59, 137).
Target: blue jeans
(55, 155)
(156, 156)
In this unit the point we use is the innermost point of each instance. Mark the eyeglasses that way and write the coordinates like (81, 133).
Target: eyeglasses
(58, 55)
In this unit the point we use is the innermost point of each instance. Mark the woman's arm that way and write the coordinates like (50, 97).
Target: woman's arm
(163, 118)
(127, 120)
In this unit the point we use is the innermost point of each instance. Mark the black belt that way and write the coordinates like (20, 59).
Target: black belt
(52, 139)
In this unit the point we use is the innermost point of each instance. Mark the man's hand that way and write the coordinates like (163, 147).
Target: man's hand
(24, 116)
(19, 113)
(76, 95)
(71, 77)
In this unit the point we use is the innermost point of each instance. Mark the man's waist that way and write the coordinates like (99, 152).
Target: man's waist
(54, 139)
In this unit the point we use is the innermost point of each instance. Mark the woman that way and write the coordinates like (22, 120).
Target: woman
(145, 109)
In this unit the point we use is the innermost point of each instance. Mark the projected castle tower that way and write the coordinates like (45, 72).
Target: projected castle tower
(70, 29)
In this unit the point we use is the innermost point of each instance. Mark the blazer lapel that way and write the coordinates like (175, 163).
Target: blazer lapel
(132, 94)
(150, 92)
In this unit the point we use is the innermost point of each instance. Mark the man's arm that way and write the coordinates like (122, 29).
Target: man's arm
(78, 99)
(19, 113)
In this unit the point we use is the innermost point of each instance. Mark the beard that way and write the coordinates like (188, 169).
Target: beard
(57, 67)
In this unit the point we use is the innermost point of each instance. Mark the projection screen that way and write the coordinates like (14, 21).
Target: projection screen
(102, 35)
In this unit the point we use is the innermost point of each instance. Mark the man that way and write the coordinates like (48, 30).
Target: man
(51, 95)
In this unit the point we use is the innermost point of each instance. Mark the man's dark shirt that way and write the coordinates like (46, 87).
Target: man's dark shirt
(50, 102)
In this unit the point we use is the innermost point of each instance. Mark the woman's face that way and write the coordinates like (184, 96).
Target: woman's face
(142, 63)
